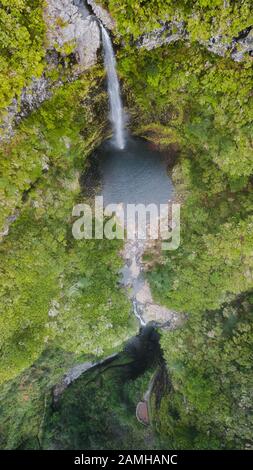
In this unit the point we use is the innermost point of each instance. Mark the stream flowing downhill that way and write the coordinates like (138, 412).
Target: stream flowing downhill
(137, 175)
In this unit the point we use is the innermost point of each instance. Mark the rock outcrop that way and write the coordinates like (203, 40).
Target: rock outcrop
(243, 45)
(10, 220)
(72, 27)
(238, 48)
(75, 372)
(168, 32)
(173, 31)
(29, 100)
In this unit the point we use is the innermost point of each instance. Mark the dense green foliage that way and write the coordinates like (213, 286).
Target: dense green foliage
(203, 18)
(60, 299)
(186, 99)
(51, 136)
(98, 412)
(211, 120)
(210, 362)
(24, 400)
(53, 287)
(21, 45)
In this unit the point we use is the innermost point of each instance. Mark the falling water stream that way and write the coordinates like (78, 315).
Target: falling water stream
(116, 109)
(132, 173)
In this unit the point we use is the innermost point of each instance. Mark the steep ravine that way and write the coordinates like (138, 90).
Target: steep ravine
(144, 308)
(32, 98)
(115, 189)
(83, 322)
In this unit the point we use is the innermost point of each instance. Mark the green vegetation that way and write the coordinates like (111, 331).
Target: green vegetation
(210, 363)
(203, 18)
(201, 105)
(22, 48)
(52, 136)
(24, 400)
(60, 298)
(54, 288)
(98, 412)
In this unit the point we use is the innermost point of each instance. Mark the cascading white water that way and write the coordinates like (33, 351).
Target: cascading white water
(116, 110)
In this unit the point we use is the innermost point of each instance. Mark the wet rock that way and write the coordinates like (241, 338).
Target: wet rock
(144, 294)
(102, 14)
(145, 309)
(159, 315)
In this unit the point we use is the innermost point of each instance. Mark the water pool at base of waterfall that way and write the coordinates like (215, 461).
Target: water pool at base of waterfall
(136, 175)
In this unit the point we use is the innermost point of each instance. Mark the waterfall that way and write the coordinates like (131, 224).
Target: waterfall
(116, 110)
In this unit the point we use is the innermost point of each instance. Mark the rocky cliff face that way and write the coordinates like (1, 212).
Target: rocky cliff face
(173, 31)
(72, 25)
(30, 99)
(72, 28)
